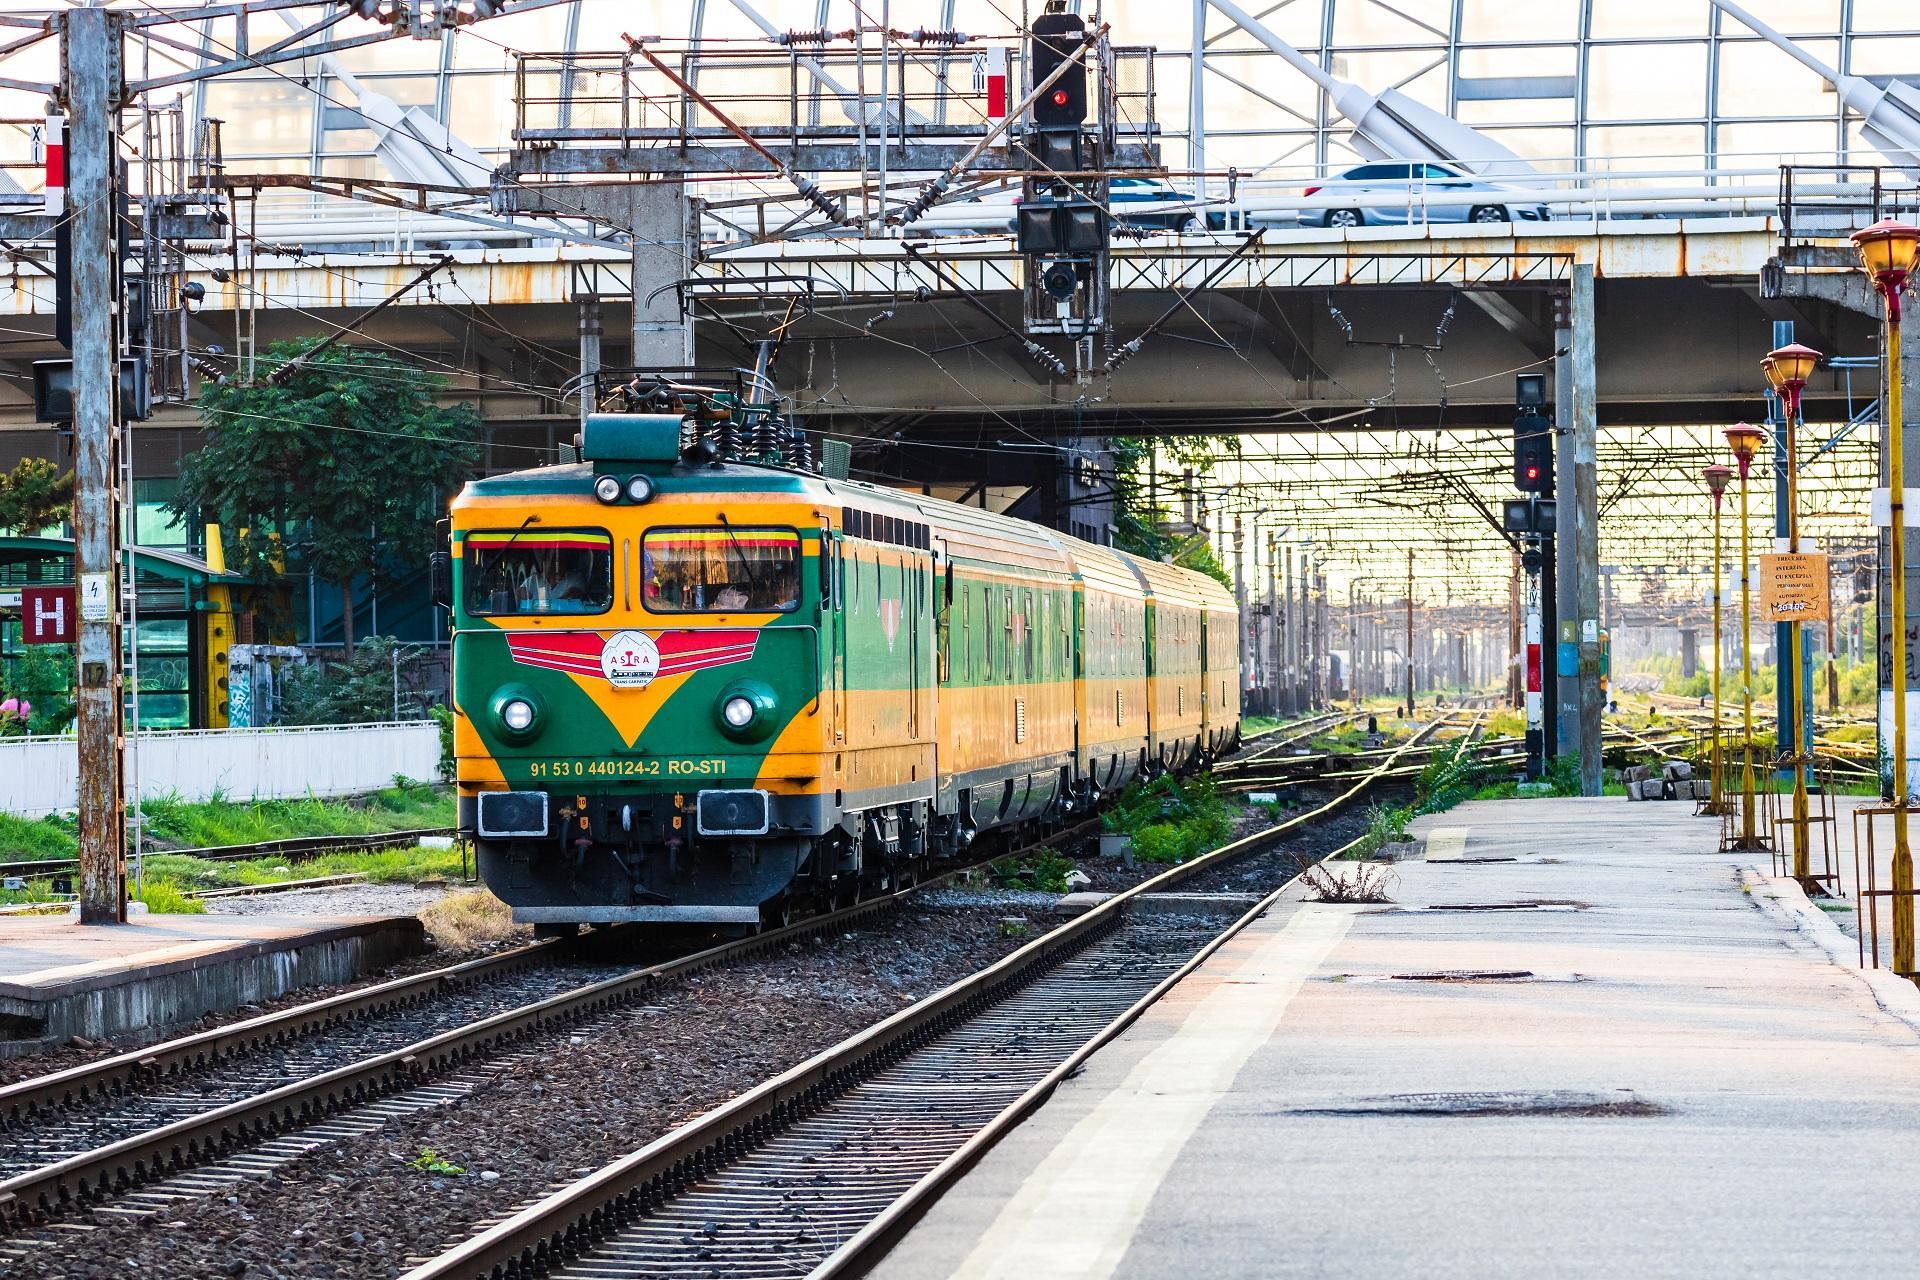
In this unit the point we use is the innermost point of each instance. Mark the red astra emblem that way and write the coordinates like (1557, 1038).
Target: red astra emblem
(580, 653)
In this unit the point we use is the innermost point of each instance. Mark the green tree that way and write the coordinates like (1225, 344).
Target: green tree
(351, 455)
(34, 495)
(1140, 525)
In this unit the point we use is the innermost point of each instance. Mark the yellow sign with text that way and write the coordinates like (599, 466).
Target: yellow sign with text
(1793, 587)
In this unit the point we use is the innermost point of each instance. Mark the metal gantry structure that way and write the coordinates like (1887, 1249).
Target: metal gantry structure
(866, 129)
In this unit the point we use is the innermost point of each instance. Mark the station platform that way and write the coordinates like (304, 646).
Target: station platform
(1579, 1041)
(138, 980)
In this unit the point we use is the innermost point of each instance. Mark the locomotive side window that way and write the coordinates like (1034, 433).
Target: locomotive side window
(550, 571)
(726, 569)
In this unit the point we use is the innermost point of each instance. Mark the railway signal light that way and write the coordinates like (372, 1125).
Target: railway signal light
(1532, 436)
(1066, 227)
(1056, 37)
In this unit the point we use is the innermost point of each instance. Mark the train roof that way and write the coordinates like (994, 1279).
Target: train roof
(972, 532)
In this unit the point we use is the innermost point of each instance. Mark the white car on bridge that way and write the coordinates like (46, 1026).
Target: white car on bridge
(1398, 192)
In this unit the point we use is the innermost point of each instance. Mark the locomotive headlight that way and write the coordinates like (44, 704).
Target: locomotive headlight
(607, 488)
(744, 711)
(517, 712)
(640, 488)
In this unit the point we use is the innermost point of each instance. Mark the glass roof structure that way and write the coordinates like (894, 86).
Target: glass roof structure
(1567, 84)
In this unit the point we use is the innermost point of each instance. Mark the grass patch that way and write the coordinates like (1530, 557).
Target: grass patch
(1386, 824)
(468, 918)
(176, 872)
(383, 866)
(166, 898)
(22, 839)
(173, 823)
(1169, 820)
(1258, 724)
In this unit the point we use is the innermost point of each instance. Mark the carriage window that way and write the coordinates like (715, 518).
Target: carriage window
(544, 571)
(728, 569)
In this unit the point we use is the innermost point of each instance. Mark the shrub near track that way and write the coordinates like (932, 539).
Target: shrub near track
(1170, 820)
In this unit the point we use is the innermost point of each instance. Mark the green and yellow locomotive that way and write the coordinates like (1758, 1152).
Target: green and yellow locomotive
(690, 690)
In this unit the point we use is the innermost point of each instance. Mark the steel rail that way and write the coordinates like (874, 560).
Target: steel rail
(571, 1220)
(76, 1085)
(293, 847)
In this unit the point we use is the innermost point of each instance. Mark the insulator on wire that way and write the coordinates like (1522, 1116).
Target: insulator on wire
(765, 436)
(918, 206)
(940, 35)
(811, 192)
(1125, 353)
(815, 35)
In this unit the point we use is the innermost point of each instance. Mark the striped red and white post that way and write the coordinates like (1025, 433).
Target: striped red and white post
(54, 146)
(996, 70)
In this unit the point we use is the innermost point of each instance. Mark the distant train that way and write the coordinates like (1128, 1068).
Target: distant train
(698, 691)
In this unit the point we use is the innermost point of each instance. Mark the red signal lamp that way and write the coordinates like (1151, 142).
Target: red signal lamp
(1059, 97)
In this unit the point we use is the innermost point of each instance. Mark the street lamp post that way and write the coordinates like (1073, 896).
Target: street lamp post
(1717, 477)
(1787, 370)
(1887, 252)
(1745, 439)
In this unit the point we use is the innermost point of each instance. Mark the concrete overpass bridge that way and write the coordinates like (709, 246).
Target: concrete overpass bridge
(1386, 326)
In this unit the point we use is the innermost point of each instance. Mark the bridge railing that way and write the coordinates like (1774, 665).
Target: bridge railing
(1820, 201)
(805, 92)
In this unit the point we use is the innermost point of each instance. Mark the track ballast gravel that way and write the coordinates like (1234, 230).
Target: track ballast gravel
(362, 1208)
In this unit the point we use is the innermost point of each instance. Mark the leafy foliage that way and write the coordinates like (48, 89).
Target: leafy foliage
(1452, 774)
(40, 676)
(430, 1161)
(443, 716)
(1170, 820)
(1140, 525)
(352, 460)
(1386, 824)
(356, 691)
(1044, 869)
(34, 496)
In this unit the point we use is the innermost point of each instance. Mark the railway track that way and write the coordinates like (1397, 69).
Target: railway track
(143, 1130)
(133, 1135)
(817, 1170)
(137, 1132)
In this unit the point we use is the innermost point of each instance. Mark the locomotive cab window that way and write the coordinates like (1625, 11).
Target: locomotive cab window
(723, 569)
(549, 571)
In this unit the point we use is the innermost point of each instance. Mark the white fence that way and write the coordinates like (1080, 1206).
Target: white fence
(38, 775)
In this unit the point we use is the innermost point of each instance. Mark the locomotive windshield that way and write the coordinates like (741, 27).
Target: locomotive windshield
(724, 569)
(541, 571)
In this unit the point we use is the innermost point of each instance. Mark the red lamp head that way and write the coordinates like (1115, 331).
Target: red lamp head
(1717, 476)
(1888, 250)
(1787, 370)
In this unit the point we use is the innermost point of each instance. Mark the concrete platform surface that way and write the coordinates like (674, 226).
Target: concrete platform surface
(58, 979)
(1618, 1053)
